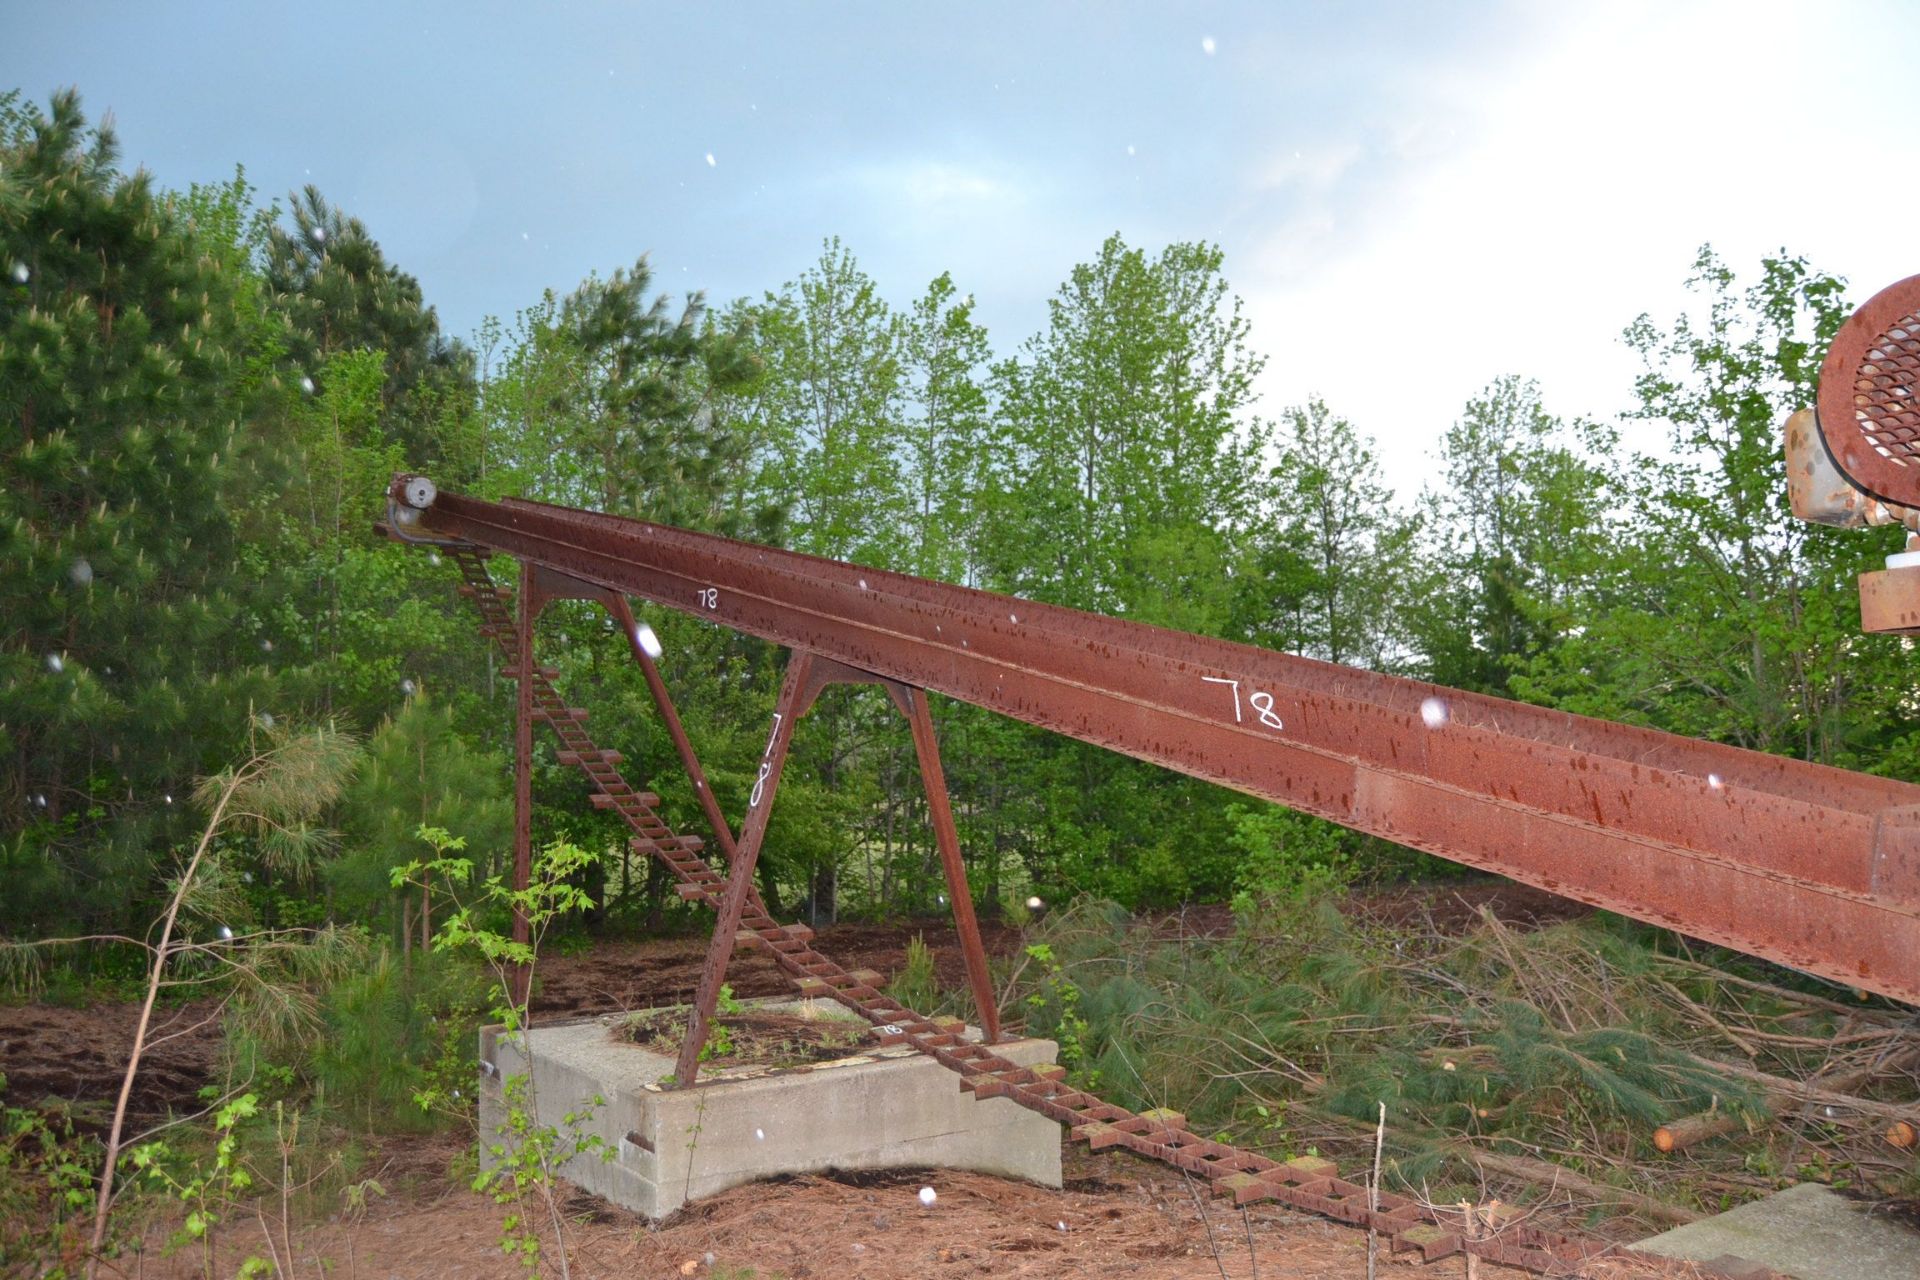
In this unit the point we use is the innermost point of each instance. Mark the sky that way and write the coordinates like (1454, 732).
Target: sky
(1413, 198)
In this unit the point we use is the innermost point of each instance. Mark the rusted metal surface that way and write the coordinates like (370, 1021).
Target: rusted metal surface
(676, 732)
(1890, 601)
(1771, 856)
(1869, 401)
(753, 832)
(1820, 494)
(1307, 1183)
(947, 838)
(523, 767)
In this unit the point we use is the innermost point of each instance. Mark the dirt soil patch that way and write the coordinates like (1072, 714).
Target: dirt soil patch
(615, 977)
(76, 1057)
(1117, 1216)
(753, 1037)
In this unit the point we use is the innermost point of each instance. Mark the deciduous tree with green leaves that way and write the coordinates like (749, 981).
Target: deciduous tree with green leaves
(1718, 615)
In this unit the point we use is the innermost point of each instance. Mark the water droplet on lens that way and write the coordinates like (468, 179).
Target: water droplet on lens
(1434, 712)
(80, 572)
(927, 1196)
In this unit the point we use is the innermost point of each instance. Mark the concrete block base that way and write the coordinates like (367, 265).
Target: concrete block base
(885, 1109)
(1808, 1232)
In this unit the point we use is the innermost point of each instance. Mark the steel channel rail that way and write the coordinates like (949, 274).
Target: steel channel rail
(1814, 867)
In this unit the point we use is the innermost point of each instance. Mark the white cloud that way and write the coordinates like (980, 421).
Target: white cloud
(1416, 268)
(936, 186)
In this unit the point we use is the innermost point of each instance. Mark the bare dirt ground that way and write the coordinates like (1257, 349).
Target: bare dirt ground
(1117, 1215)
(77, 1056)
(616, 976)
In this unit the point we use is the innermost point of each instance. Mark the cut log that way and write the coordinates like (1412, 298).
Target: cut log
(1678, 1135)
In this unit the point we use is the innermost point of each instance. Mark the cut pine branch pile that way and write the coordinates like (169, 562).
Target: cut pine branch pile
(1544, 1062)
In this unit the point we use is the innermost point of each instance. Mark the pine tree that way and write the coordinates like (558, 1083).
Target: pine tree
(418, 771)
(128, 345)
(339, 293)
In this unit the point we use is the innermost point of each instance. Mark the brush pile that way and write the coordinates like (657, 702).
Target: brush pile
(1610, 1074)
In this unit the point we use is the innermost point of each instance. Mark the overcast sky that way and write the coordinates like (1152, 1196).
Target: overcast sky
(1414, 198)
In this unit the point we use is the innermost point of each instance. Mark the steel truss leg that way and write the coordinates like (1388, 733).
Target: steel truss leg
(740, 878)
(912, 702)
(947, 837)
(722, 833)
(521, 977)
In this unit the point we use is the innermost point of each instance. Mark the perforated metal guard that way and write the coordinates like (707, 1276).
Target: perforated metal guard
(1869, 402)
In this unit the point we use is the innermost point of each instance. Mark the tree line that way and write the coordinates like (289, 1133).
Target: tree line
(202, 397)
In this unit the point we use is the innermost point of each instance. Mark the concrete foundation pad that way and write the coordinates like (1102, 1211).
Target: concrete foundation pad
(1808, 1231)
(888, 1108)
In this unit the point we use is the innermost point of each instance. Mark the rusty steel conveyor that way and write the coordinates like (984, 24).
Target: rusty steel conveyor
(1641, 822)
(1813, 867)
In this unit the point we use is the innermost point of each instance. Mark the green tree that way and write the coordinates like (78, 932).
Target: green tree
(1329, 545)
(1718, 615)
(1519, 517)
(945, 356)
(1125, 483)
(418, 772)
(339, 293)
(609, 400)
(1129, 447)
(831, 412)
(128, 363)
